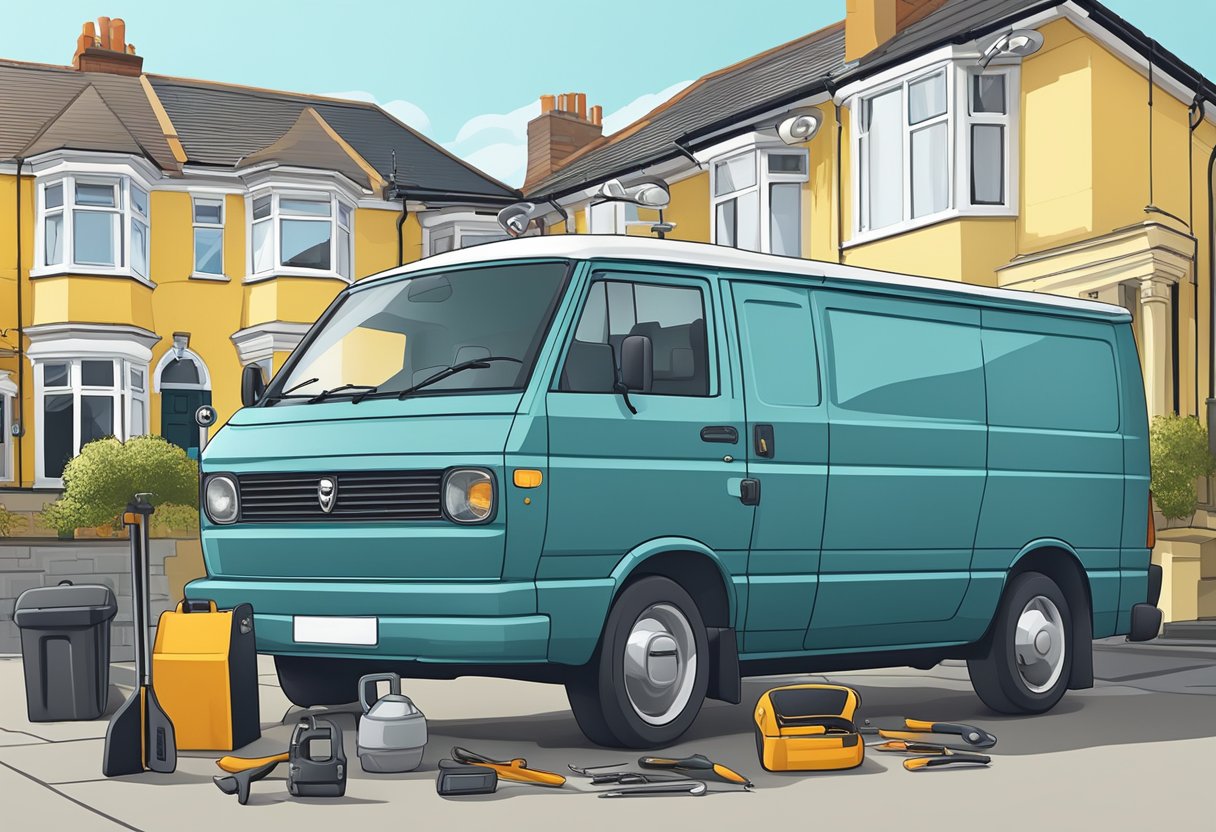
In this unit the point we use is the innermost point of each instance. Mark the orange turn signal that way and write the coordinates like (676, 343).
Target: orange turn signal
(528, 478)
(481, 496)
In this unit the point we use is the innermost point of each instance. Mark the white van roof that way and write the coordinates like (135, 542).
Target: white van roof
(622, 247)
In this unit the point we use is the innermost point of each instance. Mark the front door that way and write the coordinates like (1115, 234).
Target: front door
(177, 417)
(787, 453)
(672, 469)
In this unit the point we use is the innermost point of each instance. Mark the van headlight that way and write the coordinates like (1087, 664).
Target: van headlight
(469, 495)
(221, 499)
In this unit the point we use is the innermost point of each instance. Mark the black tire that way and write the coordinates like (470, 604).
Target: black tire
(309, 683)
(996, 677)
(597, 691)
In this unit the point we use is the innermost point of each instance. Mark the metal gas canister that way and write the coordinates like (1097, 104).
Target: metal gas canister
(392, 731)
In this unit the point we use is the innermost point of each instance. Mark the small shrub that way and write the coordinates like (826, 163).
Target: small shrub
(170, 520)
(10, 522)
(107, 474)
(1178, 446)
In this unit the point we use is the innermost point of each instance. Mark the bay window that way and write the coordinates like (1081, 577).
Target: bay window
(80, 400)
(301, 232)
(757, 200)
(452, 235)
(94, 224)
(932, 145)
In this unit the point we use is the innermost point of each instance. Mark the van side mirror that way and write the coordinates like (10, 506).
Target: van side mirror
(253, 385)
(637, 363)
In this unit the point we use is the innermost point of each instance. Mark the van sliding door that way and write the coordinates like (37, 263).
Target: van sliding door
(908, 447)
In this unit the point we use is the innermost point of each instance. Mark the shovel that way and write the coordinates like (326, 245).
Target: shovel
(140, 734)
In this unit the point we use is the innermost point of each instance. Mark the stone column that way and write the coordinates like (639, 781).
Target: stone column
(1157, 345)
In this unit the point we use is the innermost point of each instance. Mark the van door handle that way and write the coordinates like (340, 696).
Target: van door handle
(719, 433)
(749, 492)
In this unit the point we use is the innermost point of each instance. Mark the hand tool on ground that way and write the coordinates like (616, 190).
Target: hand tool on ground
(696, 766)
(234, 764)
(140, 735)
(515, 770)
(913, 729)
(461, 779)
(934, 755)
(601, 775)
(909, 747)
(696, 788)
(238, 783)
(313, 771)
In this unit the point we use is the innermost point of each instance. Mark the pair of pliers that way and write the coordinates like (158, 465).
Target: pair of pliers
(933, 755)
(515, 770)
(698, 766)
(603, 775)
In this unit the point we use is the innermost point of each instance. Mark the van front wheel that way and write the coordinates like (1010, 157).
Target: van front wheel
(1029, 660)
(647, 679)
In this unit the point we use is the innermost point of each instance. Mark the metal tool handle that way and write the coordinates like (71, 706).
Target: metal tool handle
(367, 688)
(692, 787)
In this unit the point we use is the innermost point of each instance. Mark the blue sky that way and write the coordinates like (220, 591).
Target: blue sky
(469, 72)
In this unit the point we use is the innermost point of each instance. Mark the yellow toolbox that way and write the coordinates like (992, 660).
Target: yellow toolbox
(205, 673)
(808, 728)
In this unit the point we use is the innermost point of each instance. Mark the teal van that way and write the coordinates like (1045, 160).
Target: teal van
(644, 468)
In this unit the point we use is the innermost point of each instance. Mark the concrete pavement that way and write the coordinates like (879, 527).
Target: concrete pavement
(1140, 748)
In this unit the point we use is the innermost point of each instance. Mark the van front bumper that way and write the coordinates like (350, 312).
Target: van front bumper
(499, 622)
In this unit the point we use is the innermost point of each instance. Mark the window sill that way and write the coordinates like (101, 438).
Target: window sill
(861, 238)
(89, 271)
(292, 272)
(214, 278)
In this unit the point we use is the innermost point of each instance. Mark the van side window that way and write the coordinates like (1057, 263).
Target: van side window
(1052, 382)
(672, 317)
(906, 366)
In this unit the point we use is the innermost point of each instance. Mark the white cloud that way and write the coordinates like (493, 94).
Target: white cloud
(497, 143)
(405, 111)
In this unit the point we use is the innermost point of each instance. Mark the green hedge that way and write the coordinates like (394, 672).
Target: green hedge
(1178, 446)
(107, 474)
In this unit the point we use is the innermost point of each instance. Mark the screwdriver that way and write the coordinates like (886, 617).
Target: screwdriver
(698, 765)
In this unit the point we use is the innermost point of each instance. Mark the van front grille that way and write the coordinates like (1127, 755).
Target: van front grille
(356, 495)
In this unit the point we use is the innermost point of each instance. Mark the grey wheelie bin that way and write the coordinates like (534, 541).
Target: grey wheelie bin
(65, 645)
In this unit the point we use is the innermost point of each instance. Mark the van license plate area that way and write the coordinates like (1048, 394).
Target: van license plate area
(362, 631)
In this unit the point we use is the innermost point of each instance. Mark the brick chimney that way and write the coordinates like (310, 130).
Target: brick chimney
(868, 24)
(103, 48)
(563, 128)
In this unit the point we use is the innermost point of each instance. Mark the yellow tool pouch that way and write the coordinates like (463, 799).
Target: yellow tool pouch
(808, 728)
(205, 673)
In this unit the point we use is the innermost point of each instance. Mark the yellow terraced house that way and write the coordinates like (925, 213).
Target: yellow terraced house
(1036, 145)
(157, 234)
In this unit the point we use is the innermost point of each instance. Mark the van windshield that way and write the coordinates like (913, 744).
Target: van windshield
(456, 331)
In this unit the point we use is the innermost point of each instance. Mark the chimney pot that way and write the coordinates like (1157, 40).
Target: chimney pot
(118, 35)
(580, 104)
(597, 115)
(546, 104)
(103, 23)
(103, 47)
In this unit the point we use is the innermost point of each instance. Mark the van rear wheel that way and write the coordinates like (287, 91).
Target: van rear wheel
(308, 683)
(646, 682)
(1029, 659)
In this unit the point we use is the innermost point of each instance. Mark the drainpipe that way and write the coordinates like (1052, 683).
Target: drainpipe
(405, 212)
(20, 341)
(1211, 291)
(1196, 109)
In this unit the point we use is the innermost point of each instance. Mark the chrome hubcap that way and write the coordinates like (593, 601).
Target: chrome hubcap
(660, 664)
(1039, 644)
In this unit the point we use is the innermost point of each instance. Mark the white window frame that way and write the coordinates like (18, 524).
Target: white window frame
(764, 180)
(213, 200)
(136, 400)
(123, 399)
(959, 118)
(458, 229)
(8, 393)
(276, 217)
(125, 210)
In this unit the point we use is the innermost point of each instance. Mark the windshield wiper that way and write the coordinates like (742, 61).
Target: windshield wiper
(288, 391)
(325, 394)
(447, 372)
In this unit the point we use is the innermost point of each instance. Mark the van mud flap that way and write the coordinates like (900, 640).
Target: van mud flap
(1082, 677)
(725, 684)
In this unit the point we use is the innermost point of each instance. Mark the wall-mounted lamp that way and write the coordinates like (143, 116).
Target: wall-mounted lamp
(1016, 44)
(181, 340)
(799, 127)
(650, 192)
